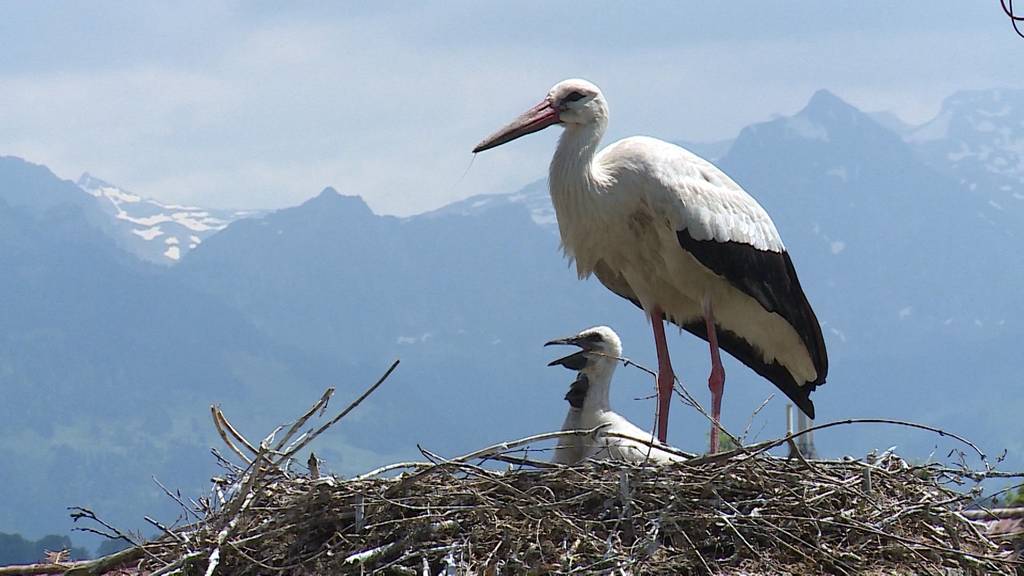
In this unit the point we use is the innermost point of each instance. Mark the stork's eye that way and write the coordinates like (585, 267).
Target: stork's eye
(574, 96)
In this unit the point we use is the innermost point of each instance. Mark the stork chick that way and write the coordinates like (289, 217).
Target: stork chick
(589, 406)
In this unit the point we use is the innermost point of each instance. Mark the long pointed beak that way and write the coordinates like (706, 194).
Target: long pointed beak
(576, 361)
(537, 118)
(567, 341)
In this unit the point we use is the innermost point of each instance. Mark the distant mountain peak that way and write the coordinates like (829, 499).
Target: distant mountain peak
(828, 132)
(89, 182)
(330, 201)
(826, 108)
(825, 116)
(824, 97)
(103, 189)
(330, 194)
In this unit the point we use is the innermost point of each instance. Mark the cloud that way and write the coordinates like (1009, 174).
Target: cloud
(267, 123)
(266, 107)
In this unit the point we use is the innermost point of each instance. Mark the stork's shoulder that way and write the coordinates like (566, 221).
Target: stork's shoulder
(693, 193)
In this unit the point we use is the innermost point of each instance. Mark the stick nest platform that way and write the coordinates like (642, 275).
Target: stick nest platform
(497, 512)
(739, 515)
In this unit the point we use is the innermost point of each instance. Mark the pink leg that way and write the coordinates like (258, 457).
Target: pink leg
(716, 381)
(666, 379)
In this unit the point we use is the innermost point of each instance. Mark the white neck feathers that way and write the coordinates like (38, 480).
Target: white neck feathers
(599, 374)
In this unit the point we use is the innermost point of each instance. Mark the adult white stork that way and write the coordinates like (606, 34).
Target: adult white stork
(589, 406)
(669, 231)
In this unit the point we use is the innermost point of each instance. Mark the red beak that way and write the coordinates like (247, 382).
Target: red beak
(537, 118)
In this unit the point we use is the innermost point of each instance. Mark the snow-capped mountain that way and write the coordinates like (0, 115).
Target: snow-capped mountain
(155, 231)
(978, 139)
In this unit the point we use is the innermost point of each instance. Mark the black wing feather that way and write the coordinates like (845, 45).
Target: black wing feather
(769, 278)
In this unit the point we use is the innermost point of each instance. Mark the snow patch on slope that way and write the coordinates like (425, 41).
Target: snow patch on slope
(181, 228)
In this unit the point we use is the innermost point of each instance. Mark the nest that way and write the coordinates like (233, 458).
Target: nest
(741, 514)
(738, 512)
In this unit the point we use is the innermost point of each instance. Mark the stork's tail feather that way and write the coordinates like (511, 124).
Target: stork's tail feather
(774, 372)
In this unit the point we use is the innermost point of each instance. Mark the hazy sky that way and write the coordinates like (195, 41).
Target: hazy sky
(263, 104)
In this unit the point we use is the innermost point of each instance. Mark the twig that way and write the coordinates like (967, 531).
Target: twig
(176, 566)
(163, 529)
(318, 407)
(696, 551)
(994, 513)
(753, 415)
(390, 468)
(652, 444)
(176, 498)
(343, 413)
(238, 436)
(221, 425)
(385, 551)
(485, 453)
(525, 462)
(79, 512)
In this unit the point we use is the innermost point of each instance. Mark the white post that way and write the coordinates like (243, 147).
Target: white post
(805, 442)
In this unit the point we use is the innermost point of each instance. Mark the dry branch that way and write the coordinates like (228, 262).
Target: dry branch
(85, 568)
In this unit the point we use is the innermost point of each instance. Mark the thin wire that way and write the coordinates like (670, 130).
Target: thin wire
(1008, 9)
